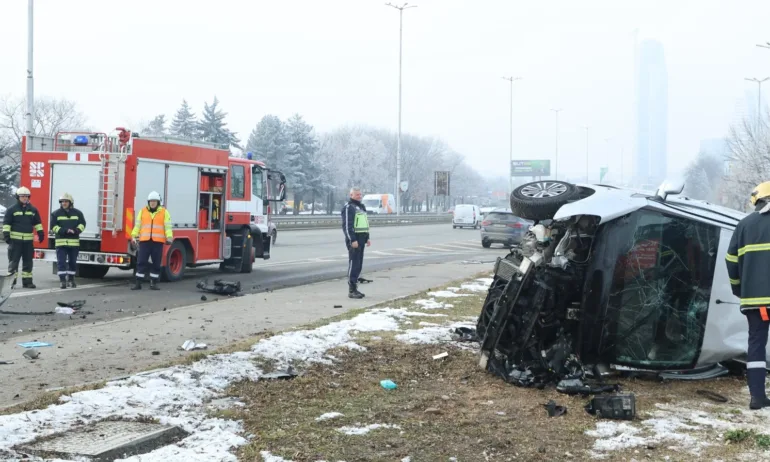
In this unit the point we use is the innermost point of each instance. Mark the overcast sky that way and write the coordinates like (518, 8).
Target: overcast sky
(336, 63)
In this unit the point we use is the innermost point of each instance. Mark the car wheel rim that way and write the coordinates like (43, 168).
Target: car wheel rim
(175, 261)
(543, 189)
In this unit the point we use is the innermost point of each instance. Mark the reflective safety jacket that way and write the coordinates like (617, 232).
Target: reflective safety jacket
(63, 220)
(748, 262)
(153, 226)
(21, 222)
(355, 222)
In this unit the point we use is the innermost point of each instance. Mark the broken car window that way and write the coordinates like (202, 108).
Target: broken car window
(660, 289)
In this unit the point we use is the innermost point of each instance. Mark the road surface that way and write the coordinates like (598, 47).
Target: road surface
(299, 257)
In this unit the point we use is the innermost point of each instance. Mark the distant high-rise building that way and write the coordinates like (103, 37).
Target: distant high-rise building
(651, 115)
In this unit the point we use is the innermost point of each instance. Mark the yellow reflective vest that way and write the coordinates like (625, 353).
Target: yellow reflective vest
(153, 226)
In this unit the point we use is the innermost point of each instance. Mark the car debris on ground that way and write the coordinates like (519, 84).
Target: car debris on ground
(220, 287)
(191, 345)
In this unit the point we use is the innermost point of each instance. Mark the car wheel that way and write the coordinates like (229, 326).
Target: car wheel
(454, 227)
(540, 200)
(274, 236)
(176, 262)
(486, 244)
(247, 258)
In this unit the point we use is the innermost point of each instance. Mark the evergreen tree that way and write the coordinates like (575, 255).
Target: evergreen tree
(269, 143)
(184, 124)
(306, 174)
(213, 128)
(156, 127)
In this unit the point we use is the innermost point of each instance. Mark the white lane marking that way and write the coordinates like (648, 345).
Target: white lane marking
(457, 246)
(29, 293)
(380, 252)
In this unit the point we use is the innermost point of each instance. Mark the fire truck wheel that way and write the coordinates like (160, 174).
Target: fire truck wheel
(92, 271)
(176, 262)
(247, 262)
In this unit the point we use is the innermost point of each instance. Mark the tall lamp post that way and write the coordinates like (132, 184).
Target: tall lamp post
(556, 170)
(398, 145)
(30, 79)
(510, 162)
(759, 96)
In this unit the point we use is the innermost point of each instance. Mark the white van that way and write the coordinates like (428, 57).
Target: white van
(379, 204)
(466, 216)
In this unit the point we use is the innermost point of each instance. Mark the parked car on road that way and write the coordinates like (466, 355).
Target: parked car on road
(466, 216)
(500, 226)
(611, 277)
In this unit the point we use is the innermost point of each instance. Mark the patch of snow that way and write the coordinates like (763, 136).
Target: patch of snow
(432, 304)
(423, 314)
(364, 430)
(447, 294)
(406, 459)
(329, 415)
(267, 457)
(479, 285)
(430, 335)
(431, 324)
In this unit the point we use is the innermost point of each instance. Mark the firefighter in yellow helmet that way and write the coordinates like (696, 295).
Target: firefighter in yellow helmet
(748, 260)
(153, 230)
(67, 223)
(21, 223)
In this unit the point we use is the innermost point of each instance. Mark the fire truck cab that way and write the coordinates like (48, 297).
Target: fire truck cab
(219, 205)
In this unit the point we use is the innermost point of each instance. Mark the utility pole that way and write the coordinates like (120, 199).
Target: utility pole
(510, 162)
(556, 170)
(587, 163)
(30, 79)
(759, 96)
(398, 145)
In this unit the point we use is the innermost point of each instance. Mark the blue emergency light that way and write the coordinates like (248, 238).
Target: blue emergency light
(81, 140)
(249, 155)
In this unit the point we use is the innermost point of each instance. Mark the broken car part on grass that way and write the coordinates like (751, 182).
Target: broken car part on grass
(609, 278)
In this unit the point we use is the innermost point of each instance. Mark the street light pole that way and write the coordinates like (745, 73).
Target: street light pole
(30, 79)
(587, 166)
(556, 170)
(510, 162)
(398, 143)
(759, 96)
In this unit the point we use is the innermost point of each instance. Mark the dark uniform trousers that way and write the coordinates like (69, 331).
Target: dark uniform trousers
(67, 260)
(755, 361)
(355, 261)
(149, 250)
(21, 250)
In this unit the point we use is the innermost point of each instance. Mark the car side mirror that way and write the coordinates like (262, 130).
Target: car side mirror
(669, 187)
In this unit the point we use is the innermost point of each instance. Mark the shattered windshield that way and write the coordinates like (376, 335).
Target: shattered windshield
(660, 288)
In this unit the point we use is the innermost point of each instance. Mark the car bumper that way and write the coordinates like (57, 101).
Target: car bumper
(492, 236)
(88, 258)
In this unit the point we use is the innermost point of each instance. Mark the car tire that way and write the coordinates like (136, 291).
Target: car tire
(247, 257)
(176, 262)
(540, 200)
(486, 244)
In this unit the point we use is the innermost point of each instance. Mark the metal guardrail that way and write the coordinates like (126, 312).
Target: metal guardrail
(334, 221)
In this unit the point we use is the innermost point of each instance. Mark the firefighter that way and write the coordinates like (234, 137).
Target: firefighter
(748, 259)
(153, 230)
(20, 224)
(67, 223)
(355, 225)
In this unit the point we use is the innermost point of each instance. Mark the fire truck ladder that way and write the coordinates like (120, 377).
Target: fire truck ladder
(110, 186)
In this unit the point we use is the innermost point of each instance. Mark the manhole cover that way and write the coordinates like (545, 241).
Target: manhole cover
(108, 440)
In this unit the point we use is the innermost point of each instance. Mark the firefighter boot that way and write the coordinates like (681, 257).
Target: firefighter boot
(154, 284)
(137, 284)
(63, 281)
(353, 291)
(72, 281)
(756, 378)
(27, 283)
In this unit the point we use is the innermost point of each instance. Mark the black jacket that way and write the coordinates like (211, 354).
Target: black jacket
(748, 261)
(21, 222)
(63, 220)
(349, 211)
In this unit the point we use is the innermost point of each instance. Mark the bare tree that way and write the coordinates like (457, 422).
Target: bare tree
(749, 161)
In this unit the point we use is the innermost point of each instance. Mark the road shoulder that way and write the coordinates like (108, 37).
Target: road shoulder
(111, 349)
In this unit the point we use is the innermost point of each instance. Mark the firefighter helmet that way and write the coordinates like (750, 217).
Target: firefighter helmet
(22, 191)
(153, 196)
(67, 197)
(761, 192)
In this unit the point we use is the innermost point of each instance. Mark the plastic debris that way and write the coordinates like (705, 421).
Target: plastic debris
(441, 355)
(287, 374)
(31, 354)
(64, 310)
(34, 344)
(220, 287)
(388, 384)
(190, 345)
(553, 409)
(77, 304)
(620, 406)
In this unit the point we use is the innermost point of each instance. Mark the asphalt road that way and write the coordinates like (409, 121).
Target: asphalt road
(299, 257)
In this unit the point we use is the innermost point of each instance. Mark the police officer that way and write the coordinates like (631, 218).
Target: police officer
(748, 260)
(355, 225)
(153, 230)
(20, 224)
(67, 223)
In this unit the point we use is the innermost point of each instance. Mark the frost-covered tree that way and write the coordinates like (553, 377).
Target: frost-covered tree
(212, 126)
(156, 127)
(184, 124)
(269, 143)
(307, 173)
(704, 176)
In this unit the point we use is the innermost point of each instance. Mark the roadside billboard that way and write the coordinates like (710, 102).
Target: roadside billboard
(531, 168)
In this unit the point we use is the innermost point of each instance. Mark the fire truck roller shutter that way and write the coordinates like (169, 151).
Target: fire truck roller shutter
(81, 180)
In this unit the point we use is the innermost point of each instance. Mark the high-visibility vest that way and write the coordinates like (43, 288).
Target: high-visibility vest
(361, 223)
(155, 226)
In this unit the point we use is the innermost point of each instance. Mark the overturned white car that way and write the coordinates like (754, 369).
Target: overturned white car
(611, 277)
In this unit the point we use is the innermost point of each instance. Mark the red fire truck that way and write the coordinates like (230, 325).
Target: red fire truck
(219, 204)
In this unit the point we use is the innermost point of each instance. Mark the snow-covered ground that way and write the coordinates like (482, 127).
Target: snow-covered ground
(180, 395)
